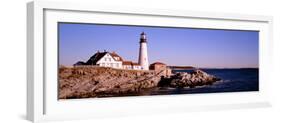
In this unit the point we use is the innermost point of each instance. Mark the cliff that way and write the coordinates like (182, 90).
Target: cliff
(90, 81)
(85, 82)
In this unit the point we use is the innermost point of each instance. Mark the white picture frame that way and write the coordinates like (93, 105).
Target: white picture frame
(42, 103)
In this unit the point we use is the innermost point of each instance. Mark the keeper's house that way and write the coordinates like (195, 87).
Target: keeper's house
(113, 60)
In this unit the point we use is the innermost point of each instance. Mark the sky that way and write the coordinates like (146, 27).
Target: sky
(204, 48)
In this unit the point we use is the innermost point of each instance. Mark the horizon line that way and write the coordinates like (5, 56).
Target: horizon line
(194, 67)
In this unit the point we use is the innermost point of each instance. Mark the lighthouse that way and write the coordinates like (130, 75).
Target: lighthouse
(143, 58)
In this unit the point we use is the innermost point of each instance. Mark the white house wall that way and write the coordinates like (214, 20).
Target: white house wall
(108, 61)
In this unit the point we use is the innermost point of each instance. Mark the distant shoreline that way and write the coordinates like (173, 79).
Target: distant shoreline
(228, 68)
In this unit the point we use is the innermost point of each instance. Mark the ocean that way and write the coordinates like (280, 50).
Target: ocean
(233, 80)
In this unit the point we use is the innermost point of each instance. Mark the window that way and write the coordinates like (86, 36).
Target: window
(109, 59)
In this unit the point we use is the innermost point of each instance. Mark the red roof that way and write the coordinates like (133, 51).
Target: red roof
(127, 62)
(130, 63)
(113, 54)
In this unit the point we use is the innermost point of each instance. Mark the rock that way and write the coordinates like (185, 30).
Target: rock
(196, 78)
(86, 82)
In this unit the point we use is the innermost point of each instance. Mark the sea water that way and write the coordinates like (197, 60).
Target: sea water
(232, 80)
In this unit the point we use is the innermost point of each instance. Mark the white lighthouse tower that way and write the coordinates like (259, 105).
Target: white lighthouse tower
(143, 58)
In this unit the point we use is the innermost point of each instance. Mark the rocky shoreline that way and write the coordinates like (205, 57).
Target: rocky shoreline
(86, 82)
(184, 79)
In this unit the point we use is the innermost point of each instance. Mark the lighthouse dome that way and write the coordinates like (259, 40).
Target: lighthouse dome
(143, 35)
(143, 38)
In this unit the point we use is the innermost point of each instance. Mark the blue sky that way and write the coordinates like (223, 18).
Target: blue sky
(174, 46)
